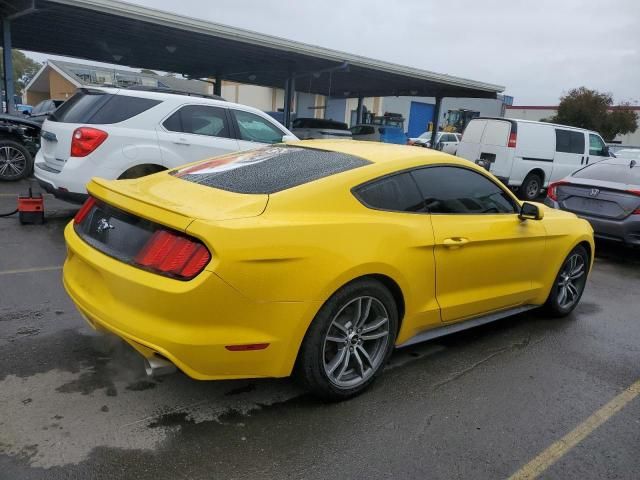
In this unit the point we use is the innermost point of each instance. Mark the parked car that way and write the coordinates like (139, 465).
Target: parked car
(527, 155)
(379, 133)
(42, 110)
(127, 133)
(318, 258)
(630, 153)
(445, 141)
(310, 128)
(19, 142)
(607, 194)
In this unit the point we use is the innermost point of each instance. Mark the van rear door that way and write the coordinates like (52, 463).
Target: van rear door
(469, 147)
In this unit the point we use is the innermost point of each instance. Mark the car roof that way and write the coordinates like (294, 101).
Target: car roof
(519, 120)
(158, 94)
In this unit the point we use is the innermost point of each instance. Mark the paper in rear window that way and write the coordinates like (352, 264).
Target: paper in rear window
(269, 170)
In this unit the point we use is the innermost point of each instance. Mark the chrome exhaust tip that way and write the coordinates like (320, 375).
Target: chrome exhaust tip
(156, 366)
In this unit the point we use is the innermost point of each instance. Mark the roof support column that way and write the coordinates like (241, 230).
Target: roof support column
(217, 87)
(359, 109)
(289, 92)
(7, 65)
(436, 121)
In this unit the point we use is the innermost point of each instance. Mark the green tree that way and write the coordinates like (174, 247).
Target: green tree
(24, 68)
(593, 110)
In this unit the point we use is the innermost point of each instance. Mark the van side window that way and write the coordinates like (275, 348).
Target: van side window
(596, 146)
(568, 141)
(458, 190)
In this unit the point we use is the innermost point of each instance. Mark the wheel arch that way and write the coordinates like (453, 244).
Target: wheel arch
(149, 168)
(536, 171)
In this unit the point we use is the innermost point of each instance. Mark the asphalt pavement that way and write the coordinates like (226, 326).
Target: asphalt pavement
(527, 395)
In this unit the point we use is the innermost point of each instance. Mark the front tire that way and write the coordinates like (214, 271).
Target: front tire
(349, 341)
(569, 284)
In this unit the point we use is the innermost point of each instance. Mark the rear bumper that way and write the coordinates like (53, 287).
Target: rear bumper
(189, 323)
(626, 230)
(62, 194)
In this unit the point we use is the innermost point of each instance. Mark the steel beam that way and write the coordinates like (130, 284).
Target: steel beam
(436, 121)
(7, 66)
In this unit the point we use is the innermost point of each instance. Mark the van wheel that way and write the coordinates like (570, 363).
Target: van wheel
(349, 341)
(530, 188)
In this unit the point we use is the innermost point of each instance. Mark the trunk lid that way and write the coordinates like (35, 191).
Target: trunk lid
(55, 143)
(610, 200)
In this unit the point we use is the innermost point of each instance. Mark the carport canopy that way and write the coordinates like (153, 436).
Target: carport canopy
(120, 33)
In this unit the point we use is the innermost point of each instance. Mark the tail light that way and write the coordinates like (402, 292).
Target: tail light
(552, 190)
(85, 140)
(513, 137)
(170, 254)
(84, 210)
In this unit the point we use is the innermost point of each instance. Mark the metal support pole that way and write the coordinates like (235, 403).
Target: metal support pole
(436, 121)
(359, 109)
(7, 64)
(289, 92)
(217, 87)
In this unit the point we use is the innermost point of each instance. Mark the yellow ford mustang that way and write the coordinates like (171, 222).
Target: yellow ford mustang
(317, 257)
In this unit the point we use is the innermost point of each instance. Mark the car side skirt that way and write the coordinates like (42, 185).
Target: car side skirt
(464, 325)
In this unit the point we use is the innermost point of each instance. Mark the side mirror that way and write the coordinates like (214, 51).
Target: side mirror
(529, 211)
(289, 138)
(606, 152)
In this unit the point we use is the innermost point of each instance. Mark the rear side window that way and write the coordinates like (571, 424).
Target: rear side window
(319, 123)
(398, 193)
(568, 141)
(268, 170)
(456, 190)
(199, 120)
(611, 172)
(97, 107)
(473, 132)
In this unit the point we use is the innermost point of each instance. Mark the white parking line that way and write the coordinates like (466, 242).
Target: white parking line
(560, 448)
(30, 270)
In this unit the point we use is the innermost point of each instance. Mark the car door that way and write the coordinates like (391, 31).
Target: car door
(597, 149)
(254, 131)
(449, 143)
(486, 258)
(570, 153)
(195, 132)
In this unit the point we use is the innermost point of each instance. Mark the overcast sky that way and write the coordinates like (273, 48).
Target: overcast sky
(536, 49)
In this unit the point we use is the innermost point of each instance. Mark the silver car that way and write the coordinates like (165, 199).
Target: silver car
(315, 128)
(607, 194)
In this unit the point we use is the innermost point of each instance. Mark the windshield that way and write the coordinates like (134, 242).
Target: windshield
(630, 153)
(618, 172)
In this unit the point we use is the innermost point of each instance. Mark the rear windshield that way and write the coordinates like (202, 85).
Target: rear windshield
(97, 107)
(319, 123)
(611, 172)
(269, 170)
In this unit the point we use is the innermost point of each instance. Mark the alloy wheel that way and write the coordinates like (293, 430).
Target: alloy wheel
(356, 342)
(571, 281)
(12, 162)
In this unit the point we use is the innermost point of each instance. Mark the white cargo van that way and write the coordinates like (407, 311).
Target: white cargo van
(526, 155)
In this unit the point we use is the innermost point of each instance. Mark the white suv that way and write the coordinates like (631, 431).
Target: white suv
(127, 133)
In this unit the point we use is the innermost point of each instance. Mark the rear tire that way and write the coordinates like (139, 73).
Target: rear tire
(15, 161)
(530, 188)
(569, 284)
(349, 341)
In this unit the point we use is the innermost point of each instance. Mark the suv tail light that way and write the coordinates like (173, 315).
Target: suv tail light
(85, 140)
(552, 190)
(170, 254)
(513, 137)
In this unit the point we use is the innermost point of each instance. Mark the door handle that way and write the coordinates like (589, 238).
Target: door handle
(455, 242)
(587, 160)
(582, 160)
(182, 141)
